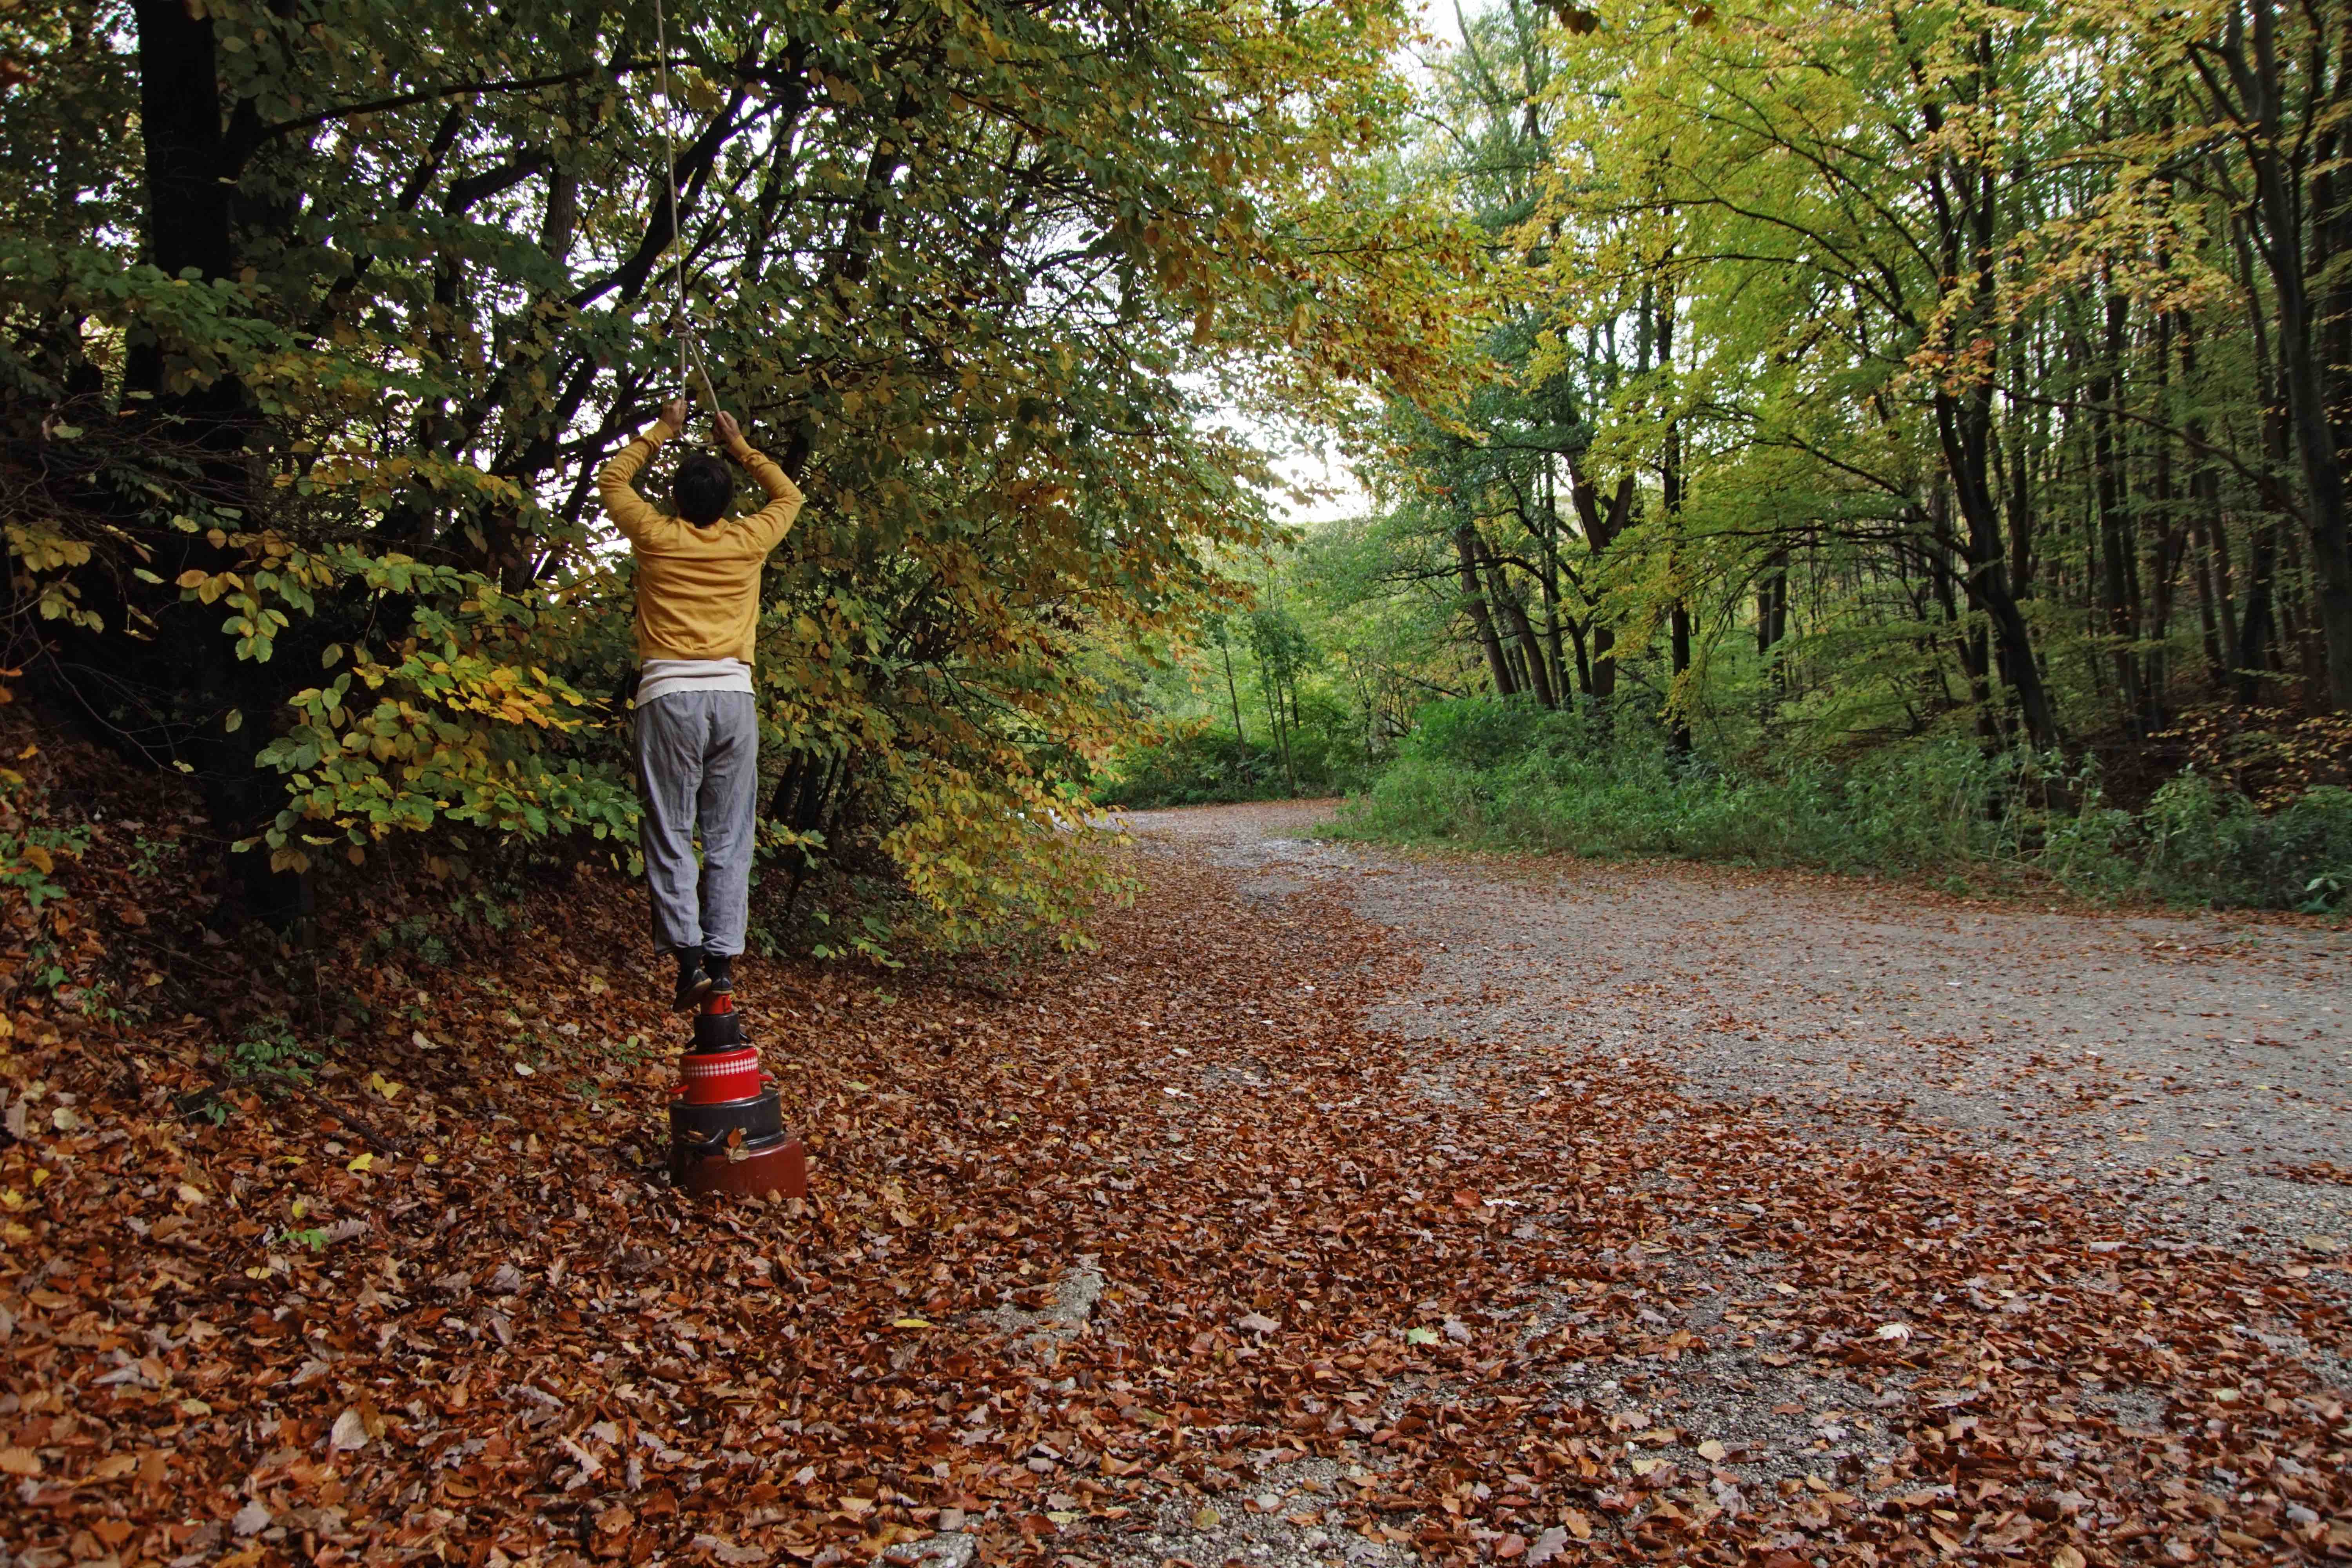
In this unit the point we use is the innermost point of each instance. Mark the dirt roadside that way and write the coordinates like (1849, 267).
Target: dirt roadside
(2162, 1087)
(2196, 1066)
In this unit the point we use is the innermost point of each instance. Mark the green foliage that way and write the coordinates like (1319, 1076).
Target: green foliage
(1507, 775)
(1476, 734)
(28, 861)
(1861, 428)
(1833, 377)
(1269, 703)
(269, 1055)
(301, 461)
(312, 1239)
(1193, 766)
(2213, 845)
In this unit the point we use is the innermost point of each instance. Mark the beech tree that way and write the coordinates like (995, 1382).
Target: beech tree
(321, 313)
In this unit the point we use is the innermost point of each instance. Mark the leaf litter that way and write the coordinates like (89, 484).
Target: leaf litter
(1155, 1253)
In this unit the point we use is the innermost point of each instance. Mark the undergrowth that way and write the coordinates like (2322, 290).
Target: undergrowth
(1507, 775)
(1193, 766)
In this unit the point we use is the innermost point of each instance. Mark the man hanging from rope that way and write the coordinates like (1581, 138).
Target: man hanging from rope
(697, 733)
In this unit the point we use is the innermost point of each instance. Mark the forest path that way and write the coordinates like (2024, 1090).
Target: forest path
(1833, 1211)
(2197, 1067)
(1338, 1209)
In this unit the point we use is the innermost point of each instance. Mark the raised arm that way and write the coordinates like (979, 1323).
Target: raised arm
(772, 522)
(616, 481)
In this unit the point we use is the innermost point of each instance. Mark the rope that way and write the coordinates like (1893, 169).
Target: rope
(690, 352)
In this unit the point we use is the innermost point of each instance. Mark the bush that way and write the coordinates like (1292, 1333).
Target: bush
(2210, 846)
(1196, 766)
(1483, 732)
(270, 1055)
(1507, 775)
(1189, 768)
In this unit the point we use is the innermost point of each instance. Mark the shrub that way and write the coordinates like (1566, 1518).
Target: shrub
(2208, 845)
(269, 1055)
(1197, 765)
(1507, 775)
(1483, 732)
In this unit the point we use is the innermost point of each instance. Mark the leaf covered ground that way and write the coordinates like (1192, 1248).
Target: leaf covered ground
(1159, 1252)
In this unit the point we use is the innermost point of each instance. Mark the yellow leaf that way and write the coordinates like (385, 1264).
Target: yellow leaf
(911, 1323)
(193, 577)
(360, 1162)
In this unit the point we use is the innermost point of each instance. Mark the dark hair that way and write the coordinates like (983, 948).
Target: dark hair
(702, 489)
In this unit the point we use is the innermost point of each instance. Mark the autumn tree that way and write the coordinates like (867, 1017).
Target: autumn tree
(320, 315)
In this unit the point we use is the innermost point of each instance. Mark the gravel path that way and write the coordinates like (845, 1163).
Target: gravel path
(2155, 1088)
(2198, 1067)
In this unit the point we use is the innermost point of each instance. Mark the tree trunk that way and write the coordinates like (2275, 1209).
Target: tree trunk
(1961, 425)
(1466, 550)
(1601, 527)
(2115, 553)
(1678, 730)
(2293, 253)
(2215, 607)
(1233, 692)
(2260, 620)
(1968, 644)
(190, 191)
(1532, 658)
(1772, 620)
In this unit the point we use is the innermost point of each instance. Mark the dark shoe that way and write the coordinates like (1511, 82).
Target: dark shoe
(693, 982)
(720, 967)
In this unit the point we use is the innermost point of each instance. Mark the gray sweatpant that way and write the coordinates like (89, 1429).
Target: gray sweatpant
(699, 765)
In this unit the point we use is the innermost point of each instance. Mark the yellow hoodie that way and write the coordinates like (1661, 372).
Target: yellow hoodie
(697, 588)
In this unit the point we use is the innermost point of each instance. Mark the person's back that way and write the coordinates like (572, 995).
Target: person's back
(697, 733)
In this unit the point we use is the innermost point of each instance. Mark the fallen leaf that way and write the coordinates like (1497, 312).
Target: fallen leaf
(350, 1431)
